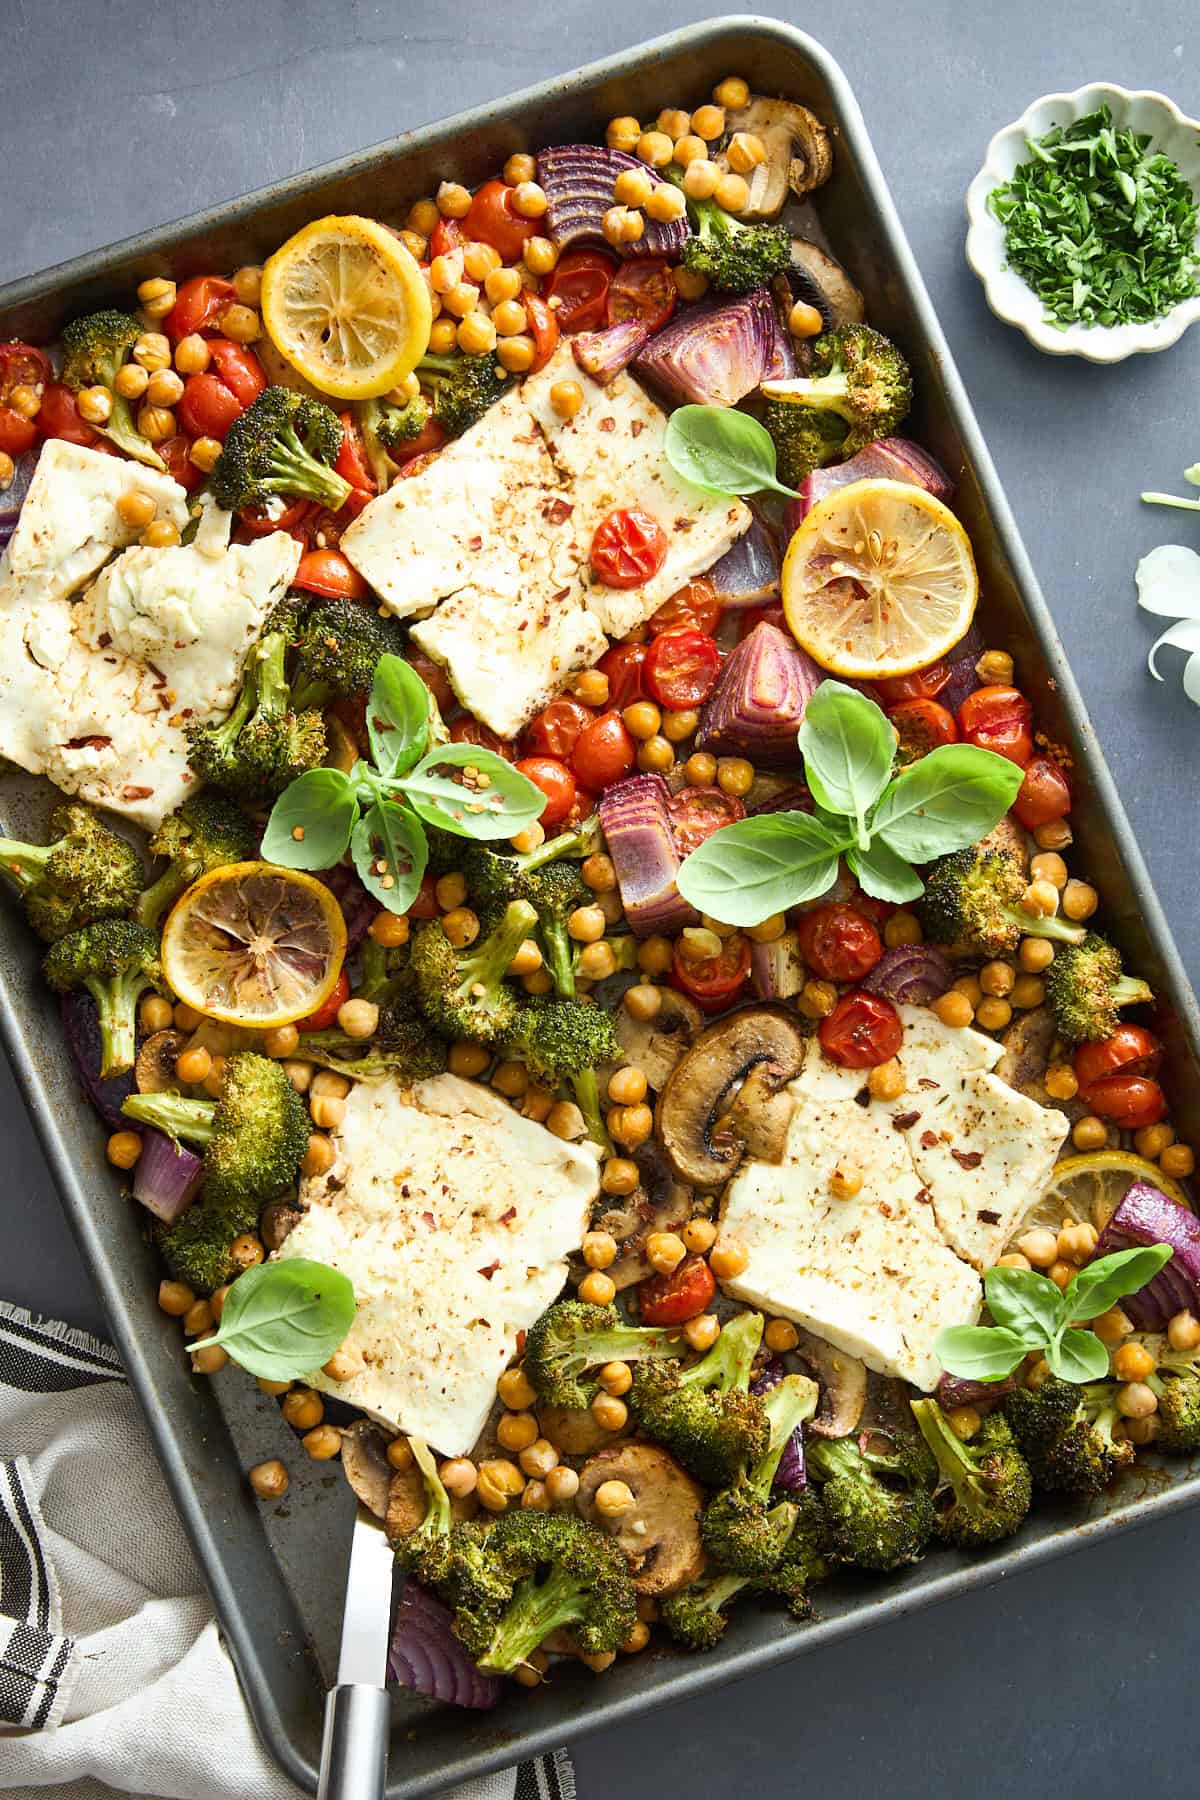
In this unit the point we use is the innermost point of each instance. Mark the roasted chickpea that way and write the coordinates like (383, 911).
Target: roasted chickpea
(175, 1298)
(886, 1081)
(702, 1332)
(269, 1480)
(124, 1149)
(610, 1413)
(781, 1336)
(323, 1443)
(597, 1289)
(846, 1180)
(699, 1235)
(516, 1430)
(728, 1259)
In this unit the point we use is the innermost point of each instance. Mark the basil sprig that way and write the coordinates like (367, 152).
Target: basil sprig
(880, 824)
(1032, 1313)
(379, 810)
(723, 451)
(282, 1320)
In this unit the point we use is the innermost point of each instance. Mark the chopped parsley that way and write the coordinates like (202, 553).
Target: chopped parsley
(1102, 227)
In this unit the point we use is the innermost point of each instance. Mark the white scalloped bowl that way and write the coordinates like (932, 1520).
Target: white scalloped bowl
(1008, 295)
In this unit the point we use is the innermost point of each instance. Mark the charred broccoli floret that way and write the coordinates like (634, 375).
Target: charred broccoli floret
(547, 879)
(1066, 1434)
(94, 349)
(878, 1500)
(116, 962)
(733, 258)
(208, 832)
(984, 1486)
(265, 742)
(697, 1617)
(1176, 1382)
(571, 1337)
(741, 1529)
(1085, 986)
(401, 1046)
(463, 387)
(385, 427)
(860, 377)
(704, 1414)
(87, 873)
(338, 647)
(426, 1552)
(565, 1041)
(804, 439)
(973, 897)
(284, 444)
(463, 994)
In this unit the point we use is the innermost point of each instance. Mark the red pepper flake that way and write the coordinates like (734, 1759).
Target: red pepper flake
(606, 425)
(637, 428)
(427, 1218)
(489, 1271)
(923, 1197)
(509, 1216)
(967, 1159)
(986, 1217)
(89, 743)
(136, 793)
(902, 1121)
(925, 1082)
(475, 543)
(928, 1140)
(556, 512)
(521, 1343)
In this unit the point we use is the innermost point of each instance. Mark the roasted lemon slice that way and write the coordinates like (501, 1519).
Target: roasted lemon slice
(346, 304)
(879, 580)
(255, 945)
(1088, 1189)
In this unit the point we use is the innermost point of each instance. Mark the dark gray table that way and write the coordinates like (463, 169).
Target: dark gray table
(1074, 1680)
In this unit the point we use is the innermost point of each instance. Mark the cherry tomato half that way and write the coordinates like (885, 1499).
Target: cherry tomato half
(923, 726)
(238, 368)
(556, 730)
(556, 782)
(21, 365)
(447, 235)
(351, 462)
(715, 982)
(580, 282)
(543, 324)
(644, 291)
(998, 719)
(625, 666)
(838, 943)
(326, 1015)
(922, 684)
(176, 454)
(697, 812)
(1130, 1101)
(675, 1298)
(1044, 795)
(493, 220)
(628, 547)
(691, 608)
(328, 573)
(682, 669)
(59, 417)
(213, 400)
(197, 306)
(862, 1031)
(604, 752)
(470, 731)
(1131, 1049)
(261, 524)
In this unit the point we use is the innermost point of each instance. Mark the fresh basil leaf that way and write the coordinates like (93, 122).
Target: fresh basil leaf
(950, 799)
(398, 716)
(282, 1320)
(1026, 1303)
(1077, 1356)
(495, 802)
(390, 851)
(978, 1352)
(884, 875)
(848, 749)
(722, 451)
(322, 806)
(1098, 1287)
(749, 870)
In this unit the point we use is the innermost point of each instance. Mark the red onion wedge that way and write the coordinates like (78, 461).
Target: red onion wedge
(748, 575)
(963, 679)
(578, 181)
(893, 459)
(791, 1477)
(165, 1176)
(13, 497)
(1147, 1216)
(427, 1658)
(984, 1396)
(777, 969)
(758, 703)
(81, 1028)
(358, 908)
(603, 354)
(636, 819)
(911, 975)
(714, 353)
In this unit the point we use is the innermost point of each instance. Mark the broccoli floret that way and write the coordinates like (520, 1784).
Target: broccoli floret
(1066, 1434)
(387, 427)
(87, 873)
(94, 349)
(284, 444)
(860, 377)
(554, 891)
(741, 1529)
(696, 1618)
(1085, 986)
(253, 1134)
(984, 1486)
(425, 1552)
(116, 962)
(338, 647)
(732, 257)
(565, 1040)
(878, 1501)
(705, 1415)
(384, 974)
(463, 387)
(492, 877)
(804, 438)
(463, 994)
(264, 743)
(1176, 1382)
(402, 1046)
(972, 897)
(208, 832)
(571, 1337)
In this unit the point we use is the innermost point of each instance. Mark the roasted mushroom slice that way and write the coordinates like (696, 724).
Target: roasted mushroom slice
(655, 1045)
(799, 157)
(278, 1218)
(366, 1467)
(1010, 837)
(154, 1070)
(572, 1430)
(662, 1204)
(660, 1532)
(842, 1380)
(815, 277)
(407, 1504)
(1028, 1044)
(700, 1126)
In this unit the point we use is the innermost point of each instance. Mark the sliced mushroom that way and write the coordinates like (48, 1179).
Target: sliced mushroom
(655, 1045)
(842, 1380)
(572, 1430)
(1028, 1044)
(279, 1217)
(760, 1114)
(704, 1147)
(662, 1204)
(815, 277)
(799, 156)
(154, 1070)
(406, 1503)
(660, 1533)
(366, 1467)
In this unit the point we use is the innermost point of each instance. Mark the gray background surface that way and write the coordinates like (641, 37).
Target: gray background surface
(1072, 1680)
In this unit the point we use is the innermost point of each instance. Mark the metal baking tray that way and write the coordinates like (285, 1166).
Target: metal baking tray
(276, 1573)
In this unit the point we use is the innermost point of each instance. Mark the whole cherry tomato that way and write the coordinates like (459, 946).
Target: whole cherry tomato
(494, 220)
(604, 752)
(556, 782)
(326, 1015)
(580, 282)
(862, 1031)
(697, 812)
(59, 417)
(175, 453)
(198, 305)
(628, 547)
(923, 726)
(625, 666)
(1130, 1101)
(21, 365)
(434, 677)
(469, 731)
(1044, 795)
(682, 669)
(838, 943)
(425, 906)
(922, 684)
(328, 573)
(1131, 1049)
(644, 291)
(351, 462)
(691, 608)
(715, 982)
(998, 719)
(556, 730)
(675, 1298)
(543, 326)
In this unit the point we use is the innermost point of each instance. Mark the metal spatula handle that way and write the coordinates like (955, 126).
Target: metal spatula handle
(354, 1746)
